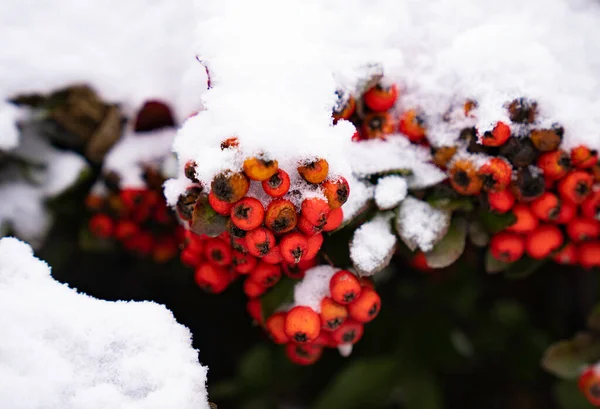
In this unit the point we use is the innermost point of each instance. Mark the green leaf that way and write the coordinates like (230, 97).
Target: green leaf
(493, 265)
(280, 294)
(450, 247)
(494, 222)
(359, 384)
(566, 358)
(569, 397)
(205, 220)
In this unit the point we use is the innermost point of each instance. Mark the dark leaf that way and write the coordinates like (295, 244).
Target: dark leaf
(566, 358)
(450, 247)
(205, 220)
(280, 294)
(494, 222)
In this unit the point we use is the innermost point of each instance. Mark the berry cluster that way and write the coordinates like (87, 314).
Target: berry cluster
(138, 218)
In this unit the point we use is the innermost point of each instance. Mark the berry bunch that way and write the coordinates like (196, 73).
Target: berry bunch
(138, 218)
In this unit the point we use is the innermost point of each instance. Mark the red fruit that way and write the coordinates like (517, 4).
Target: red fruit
(165, 248)
(350, 332)
(293, 247)
(190, 257)
(583, 158)
(554, 164)
(303, 354)
(568, 255)
(218, 252)
(334, 220)
(281, 216)
(367, 282)
(464, 178)
(302, 324)
(314, 172)
(580, 229)
(316, 211)
(273, 256)
(212, 278)
(314, 245)
(332, 314)
(502, 201)
(307, 227)
(252, 289)
(260, 169)
(336, 191)
(239, 244)
(377, 125)
(589, 385)
(576, 186)
(254, 309)
(275, 326)
(230, 187)
(141, 243)
(590, 207)
(546, 207)
(247, 214)
(567, 212)
(125, 229)
(267, 275)
(324, 340)
(260, 241)
(412, 125)
(94, 202)
(138, 200)
(498, 136)
(219, 206)
(544, 240)
(101, 225)
(366, 307)
(277, 185)
(588, 254)
(419, 261)
(243, 263)
(152, 116)
(507, 247)
(526, 220)
(495, 174)
(296, 271)
(344, 287)
(380, 98)
(344, 107)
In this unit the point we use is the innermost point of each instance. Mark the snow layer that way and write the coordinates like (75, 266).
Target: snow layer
(314, 287)
(420, 225)
(390, 191)
(373, 245)
(61, 349)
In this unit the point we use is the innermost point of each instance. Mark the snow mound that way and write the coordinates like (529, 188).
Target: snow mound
(61, 349)
(390, 191)
(314, 287)
(420, 225)
(373, 245)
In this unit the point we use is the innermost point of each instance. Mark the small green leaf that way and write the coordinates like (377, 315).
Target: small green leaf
(359, 384)
(494, 222)
(280, 294)
(205, 220)
(450, 247)
(566, 358)
(493, 265)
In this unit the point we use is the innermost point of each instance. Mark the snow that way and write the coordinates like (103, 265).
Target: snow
(372, 245)
(421, 225)
(390, 191)
(9, 134)
(86, 353)
(311, 290)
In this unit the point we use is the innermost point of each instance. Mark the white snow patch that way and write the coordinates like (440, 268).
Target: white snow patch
(314, 287)
(421, 225)
(390, 191)
(9, 134)
(372, 245)
(345, 350)
(62, 349)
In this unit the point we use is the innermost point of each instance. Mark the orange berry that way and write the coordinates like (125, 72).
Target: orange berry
(307, 227)
(350, 332)
(260, 241)
(366, 307)
(293, 247)
(332, 314)
(302, 324)
(315, 211)
(545, 239)
(526, 220)
(589, 385)
(344, 107)
(314, 172)
(381, 98)
(278, 184)
(125, 229)
(568, 255)
(219, 206)
(243, 263)
(247, 214)
(546, 140)
(281, 216)
(275, 326)
(498, 136)
(141, 243)
(334, 220)
(377, 125)
(303, 354)
(260, 169)
(296, 271)
(412, 125)
(583, 158)
(590, 207)
(273, 256)
(344, 287)
(252, 289)
(101, 225)
(230, 187)
(190, 257)
(588, 254)
(496, 174)
(507, 247)
(218, 252)
(211, 278)
(546, 207)
(502, 201)
(443, 155)
(580, 229)
(464, 178)
(336, 192)
(554, 164)
(576, 186)
(267, 275)
(567, 212)
(314, 245)
(254, 309)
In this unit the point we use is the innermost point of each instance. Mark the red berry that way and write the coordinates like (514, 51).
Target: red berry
(567, 212)
(101, 225)
(252, 289)
(546, 207)
(260, 241)
(568, 255)
(315, 211)
(219, 206)
(576, 186)
(344, 287)
(544, 240)
(254, 309)
(366, 307)
(281, 216)
(334, 220)
(273, 256)
(502, 201)
(296, 271)
(275, 326)
(125, 229)
(412, 125)
(190, 257)
(590, 207)
(277, 185)
(332, 314)
(247, 214)
(293, 247)
(306, 354)
(526, 220)
(350, 332)
(507, 247)
(336, 191)
(380, 98)
(554, 164)
(584, 158)
(307, 227)
(495, 174)
(212, 278)
(314, 245)
(588, 254)
(498, 136)
(243, 263)
(267, 275)
(580, 229)
(218, 252)
(302, 324)
(589, 385)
